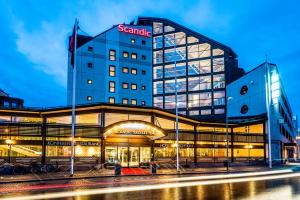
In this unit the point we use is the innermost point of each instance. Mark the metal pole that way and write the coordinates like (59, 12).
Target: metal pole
(227, 153)
(176, 108)
(268, 98)
(73, 103)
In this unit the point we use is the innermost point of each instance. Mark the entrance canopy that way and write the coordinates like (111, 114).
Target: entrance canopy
(134, 128)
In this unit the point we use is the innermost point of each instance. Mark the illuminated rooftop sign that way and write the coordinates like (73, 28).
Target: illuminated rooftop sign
(134, 31)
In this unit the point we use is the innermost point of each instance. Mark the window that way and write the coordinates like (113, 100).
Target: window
(157, 42)
(244, 109)
(90, 65)
(112, 70)
(133, 101)
(170, 101)
(90, 49)
(111, 86)
(170, 85)
(218, 52)
(169, 29)
(143, 42)
(89, 82)
(219, 111)
(218, 64)
(244, 90)
(111, 99)
(112, 55)
(219, 81)
(134, 86)
(143, 87)
(158, 72)
(143, 72)
(125, 70)
(192, 39)
(198, 51)
(125, 54)
(158, 87)
(132, 41)
(125, 85)
(157, 27)
(199, 67)
(133, 56)
(157, 57)
(89, 98)
(219, 98)
(158, 102)
(194, 112)
(143, 57)
(143, 103)
(170, 70)
(134, 71)
(124, 101)
(178, 55)
(206, 112)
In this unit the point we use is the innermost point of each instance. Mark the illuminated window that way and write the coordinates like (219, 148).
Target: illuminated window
(158, 102)
(134, 86)
(157, 27)
(158, 87)
(205, 99)
(194, 112)
(218, 64)
(170, 39)
(170, 101)
(125, 70)
(198, 51)
(192, 39)
(169, 29)
(112, 86)
(158, 72)
(133, 71)
(90, 65)
(143, 87)
(194, 100)
(132, 41)
(112, 55)
(89, 98)
(157, 42)
(125, 85)
(133, 101)
(170, 85)
(111, 99)
(178, 55)
(157, 57)
(218, 52)
(219, 98)
(170, 70)
(124, 101)
(206, 112)
(133, 56)
(112, 70)
(219, 111)
(89, 82)
(219, 81)
(90, 49)
(125, 54)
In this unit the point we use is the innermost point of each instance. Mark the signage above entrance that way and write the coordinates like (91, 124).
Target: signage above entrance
(134, 128)
(134, 31)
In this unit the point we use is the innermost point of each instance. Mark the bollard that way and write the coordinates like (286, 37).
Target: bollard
(153, 168)
(118, 169)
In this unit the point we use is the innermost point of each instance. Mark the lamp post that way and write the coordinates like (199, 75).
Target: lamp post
(268, 103)
(227, 139)
(9, 142)
(176, 107)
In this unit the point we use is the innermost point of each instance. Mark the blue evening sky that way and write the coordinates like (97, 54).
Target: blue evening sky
(33, 37)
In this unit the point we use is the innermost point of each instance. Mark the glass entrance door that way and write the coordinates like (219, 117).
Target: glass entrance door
(123, 156)
(134, 157)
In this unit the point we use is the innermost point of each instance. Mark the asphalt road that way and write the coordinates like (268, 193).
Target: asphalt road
(132, 188)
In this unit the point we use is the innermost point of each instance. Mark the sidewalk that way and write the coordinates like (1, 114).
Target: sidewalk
(110, 173)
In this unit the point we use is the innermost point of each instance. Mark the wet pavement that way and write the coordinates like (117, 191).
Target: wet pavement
(279, 189)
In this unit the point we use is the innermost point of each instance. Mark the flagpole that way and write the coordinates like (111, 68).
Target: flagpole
(73, 103)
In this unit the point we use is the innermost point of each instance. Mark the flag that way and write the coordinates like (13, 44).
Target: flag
(72, 45)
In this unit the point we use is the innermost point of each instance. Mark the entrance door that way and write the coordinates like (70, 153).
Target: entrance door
(134, 156)
(123, 156)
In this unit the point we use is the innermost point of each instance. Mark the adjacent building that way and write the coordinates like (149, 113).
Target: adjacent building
(10, 102)
(248, 101)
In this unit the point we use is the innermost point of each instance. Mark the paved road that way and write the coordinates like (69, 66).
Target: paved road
(131, 188)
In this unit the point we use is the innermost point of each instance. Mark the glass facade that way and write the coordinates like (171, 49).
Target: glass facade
(200, 71)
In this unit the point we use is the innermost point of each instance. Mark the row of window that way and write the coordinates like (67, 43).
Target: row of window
(134, 56)
(125, 70)
(217, 111)
(126, 101)
(189, 84)
(112, 86)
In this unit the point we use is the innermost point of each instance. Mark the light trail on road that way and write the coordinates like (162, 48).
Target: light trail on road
(236, 179)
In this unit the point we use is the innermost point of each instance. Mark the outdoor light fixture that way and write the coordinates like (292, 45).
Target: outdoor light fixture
(9, 142)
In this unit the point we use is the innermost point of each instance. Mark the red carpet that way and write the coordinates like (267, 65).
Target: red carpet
(135, 171)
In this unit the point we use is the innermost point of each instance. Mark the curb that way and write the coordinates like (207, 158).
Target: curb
(128, 175)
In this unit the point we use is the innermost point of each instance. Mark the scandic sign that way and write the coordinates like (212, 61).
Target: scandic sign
(134, 31)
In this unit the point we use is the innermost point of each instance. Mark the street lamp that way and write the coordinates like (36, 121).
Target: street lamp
(9, 142)
(227, 139)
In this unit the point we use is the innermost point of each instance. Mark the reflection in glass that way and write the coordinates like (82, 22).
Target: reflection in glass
(170, 85)
(158, 87)
(219, 81)
(180, 70)
(157, 27)
(158, 72)
(157, 57)
(171, 56)
(218, 64)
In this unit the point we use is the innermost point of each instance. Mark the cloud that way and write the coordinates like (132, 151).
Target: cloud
(45, 48)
